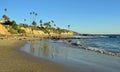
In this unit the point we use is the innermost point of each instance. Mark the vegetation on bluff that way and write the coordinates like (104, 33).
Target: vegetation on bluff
(46, 27)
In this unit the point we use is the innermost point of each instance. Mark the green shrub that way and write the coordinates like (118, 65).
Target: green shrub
(13, 31)
(21, 31)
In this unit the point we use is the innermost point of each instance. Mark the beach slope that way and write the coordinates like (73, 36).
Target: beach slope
(13, 60)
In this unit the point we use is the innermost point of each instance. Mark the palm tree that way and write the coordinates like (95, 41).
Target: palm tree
(5, 17)
(41, 23)
(68, 27)
(34, 23)
(30, 13)
(35, 16)
(24, 20)
(52, 21)
(5, 9)
(33, 13)
(30, 17)
(47, 25)
(54, 25)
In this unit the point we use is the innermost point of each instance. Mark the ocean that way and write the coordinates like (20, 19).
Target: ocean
(106, 43)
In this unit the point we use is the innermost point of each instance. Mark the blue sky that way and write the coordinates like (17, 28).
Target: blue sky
(84, 16)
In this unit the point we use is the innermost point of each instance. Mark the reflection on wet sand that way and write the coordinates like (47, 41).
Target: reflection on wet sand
(44, 49)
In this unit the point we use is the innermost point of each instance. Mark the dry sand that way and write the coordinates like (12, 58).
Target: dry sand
(13, 60)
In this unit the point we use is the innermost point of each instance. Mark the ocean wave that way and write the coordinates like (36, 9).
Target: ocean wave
(99, 50)
(96, 48)
(103, 51)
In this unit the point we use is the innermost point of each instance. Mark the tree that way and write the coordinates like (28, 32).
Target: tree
(68, 27)
(52, 21)
(14, 25)
(6, 18)
(8, 23)
(58, 30)
(23, 25)
(33, 13)
(47, 25)
(30, 13)
(34, 23)
(5, 9)
(30, 17)
(41, 23)
(35, 16)
(54, 25)
(24, 20)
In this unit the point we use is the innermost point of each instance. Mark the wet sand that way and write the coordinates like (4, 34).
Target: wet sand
(79, 60)
(14, 60)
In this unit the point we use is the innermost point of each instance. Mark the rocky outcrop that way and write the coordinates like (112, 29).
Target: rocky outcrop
(3, 30)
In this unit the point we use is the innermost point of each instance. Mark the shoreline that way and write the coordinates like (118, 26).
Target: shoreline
(79, 60)
(14, 60)
(32, 37)
(91, 48)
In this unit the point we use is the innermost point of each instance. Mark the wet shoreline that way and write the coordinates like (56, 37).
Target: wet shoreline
(74, 58)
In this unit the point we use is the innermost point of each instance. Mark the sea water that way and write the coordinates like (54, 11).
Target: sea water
(107, 44)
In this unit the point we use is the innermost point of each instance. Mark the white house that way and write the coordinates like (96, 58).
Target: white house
(2, 20)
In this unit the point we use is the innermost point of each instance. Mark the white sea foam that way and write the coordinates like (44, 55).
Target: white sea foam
(100, 50)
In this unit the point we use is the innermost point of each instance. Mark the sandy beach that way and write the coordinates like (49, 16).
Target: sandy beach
(14, 60)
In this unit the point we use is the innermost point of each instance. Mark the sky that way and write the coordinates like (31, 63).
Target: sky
(83, 16)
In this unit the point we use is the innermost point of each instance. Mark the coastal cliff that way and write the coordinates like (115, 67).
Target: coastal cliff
(42, 33)
(3, 30)
(29, 31)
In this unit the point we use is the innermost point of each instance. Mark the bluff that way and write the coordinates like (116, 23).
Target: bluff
(29, 31)
(3, 30)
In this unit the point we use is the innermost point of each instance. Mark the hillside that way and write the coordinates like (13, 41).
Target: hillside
(3, 30)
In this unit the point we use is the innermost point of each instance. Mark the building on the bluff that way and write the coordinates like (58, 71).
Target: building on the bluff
(2, 20)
